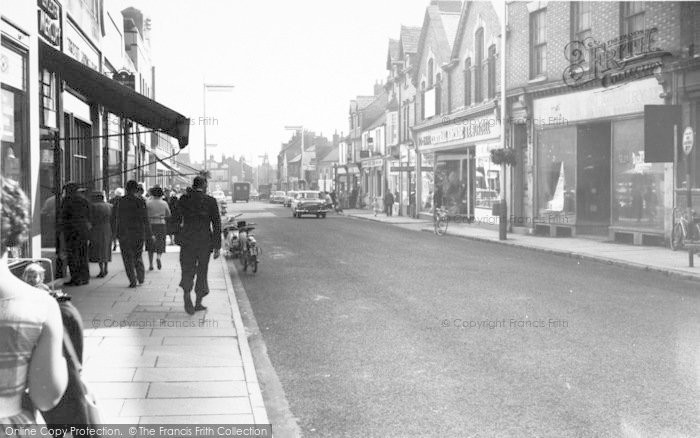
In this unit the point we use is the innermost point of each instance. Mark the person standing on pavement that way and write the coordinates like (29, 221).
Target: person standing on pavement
(389, 203)
(158, 214)
(101, 233)
(200, 235)
(132, 228)
(75, 216)
(114, 200)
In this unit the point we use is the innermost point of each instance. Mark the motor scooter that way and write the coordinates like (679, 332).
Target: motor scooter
(231, 241)
(250, 251)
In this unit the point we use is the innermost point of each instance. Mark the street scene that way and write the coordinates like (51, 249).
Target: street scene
(350, 219)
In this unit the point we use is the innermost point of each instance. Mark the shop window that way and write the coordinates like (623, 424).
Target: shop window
(538, 43)
(556, 173)
(427, 184)
(451, 187)
(479, 60)
(638, 187)
(15, 121)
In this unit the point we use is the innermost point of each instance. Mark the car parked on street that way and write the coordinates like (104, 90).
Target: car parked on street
(220, 196)
(277, 197)
(309, 202)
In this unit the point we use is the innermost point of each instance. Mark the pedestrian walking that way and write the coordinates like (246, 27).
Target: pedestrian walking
(32, 340)
(389, 203)
(118, 194)
(377, 205)
(158, 214)
(133, 228)
(170, 224)
(200, 235)
(75, 214)
(101, 233)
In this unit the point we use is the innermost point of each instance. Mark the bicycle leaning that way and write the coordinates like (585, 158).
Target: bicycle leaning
(685, 228)
(440, 221)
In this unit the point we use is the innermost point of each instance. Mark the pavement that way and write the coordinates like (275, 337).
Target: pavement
(150, 362)
(649, 258)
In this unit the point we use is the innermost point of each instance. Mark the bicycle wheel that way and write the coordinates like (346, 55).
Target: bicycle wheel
(254, 263)
(677, 237)
(440, 226)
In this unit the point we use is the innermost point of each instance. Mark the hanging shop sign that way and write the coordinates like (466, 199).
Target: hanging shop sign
(50, 22)
(125, 78)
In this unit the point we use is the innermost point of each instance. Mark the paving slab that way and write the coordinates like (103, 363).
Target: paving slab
(150, 362)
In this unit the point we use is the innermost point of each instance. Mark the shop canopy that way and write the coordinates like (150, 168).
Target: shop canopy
(115, 97)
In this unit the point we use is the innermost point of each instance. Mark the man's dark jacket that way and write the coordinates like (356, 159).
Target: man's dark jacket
(75, 216)
(201, 223)
(132, 219)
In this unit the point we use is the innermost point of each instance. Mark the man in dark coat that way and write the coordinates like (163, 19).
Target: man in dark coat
(132, 228)
(389, 202)
(200, 235)
(75, 217)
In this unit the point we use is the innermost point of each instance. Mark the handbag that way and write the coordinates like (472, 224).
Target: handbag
(78, 406)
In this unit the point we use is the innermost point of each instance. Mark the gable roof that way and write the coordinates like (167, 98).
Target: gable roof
(408, 39)
(460, 28)
(443, 17)
(332, 156)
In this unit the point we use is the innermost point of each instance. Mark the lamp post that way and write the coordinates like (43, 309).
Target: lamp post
(213, 87)
(299, 128)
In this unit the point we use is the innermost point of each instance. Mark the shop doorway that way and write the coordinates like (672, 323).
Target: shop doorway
(593, 179)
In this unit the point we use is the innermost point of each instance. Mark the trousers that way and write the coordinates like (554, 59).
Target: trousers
(194, 260)
(133, 261)
(77, 250)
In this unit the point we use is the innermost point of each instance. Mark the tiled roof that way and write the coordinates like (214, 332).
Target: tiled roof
(331, 157)
(393, 49)
(409, 38)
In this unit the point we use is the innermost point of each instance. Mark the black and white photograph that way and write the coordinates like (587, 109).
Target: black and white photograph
(366, 218)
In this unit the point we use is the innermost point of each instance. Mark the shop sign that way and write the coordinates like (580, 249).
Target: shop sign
(688, 140)
(409, 169)
(80, 49)
(609, 62)
(50, 21)
(374, 162)
(125, 78)
(468, 129)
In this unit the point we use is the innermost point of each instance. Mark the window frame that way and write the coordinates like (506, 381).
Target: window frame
(468, 82)
(538, 20)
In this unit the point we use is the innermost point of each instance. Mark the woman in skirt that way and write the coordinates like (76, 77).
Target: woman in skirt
(158, 214)
(101, 233)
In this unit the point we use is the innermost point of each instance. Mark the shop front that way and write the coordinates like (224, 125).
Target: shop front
(590, 170)
(372, 179)
(455, 168)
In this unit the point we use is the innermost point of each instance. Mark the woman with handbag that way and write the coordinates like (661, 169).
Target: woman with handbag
(34, 373)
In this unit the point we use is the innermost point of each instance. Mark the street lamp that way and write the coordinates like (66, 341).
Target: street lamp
(213, 87)
(301, 156)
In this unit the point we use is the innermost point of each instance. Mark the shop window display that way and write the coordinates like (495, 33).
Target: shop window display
(556, 172)
(427, 184)
(451, 187)
(638, 187)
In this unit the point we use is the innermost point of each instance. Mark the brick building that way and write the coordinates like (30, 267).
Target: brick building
(579, 76)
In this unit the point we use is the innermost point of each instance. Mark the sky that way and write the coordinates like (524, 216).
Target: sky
(290, 62)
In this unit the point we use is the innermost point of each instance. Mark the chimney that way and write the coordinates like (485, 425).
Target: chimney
(378, 87)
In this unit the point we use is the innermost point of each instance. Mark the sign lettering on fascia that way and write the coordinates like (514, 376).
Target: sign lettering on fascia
(458, 131)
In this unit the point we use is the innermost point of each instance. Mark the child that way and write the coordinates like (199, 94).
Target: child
(34, 275)
(377, 205)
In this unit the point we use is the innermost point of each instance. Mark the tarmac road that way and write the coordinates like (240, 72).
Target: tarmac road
(375, 330)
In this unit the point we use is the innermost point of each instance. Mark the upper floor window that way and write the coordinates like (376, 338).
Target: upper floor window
(632, 20)
(538, 43)
(430, 73)
(581, 27)
(479, 58)
(467, 82)
(422, 100)
(438, 93)
(492, 72)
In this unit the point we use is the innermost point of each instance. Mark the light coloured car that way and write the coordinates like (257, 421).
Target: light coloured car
(304, 194)
(309, 202)
(277, 197)
(219, 195)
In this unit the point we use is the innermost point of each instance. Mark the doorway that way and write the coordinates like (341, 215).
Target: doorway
(593, 179)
